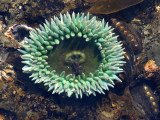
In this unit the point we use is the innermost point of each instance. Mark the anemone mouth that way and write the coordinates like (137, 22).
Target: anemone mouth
(75, 54)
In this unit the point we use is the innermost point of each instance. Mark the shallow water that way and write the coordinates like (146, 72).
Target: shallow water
(135, 98)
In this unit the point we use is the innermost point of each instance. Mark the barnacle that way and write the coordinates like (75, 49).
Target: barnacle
(150, 68)
(7, 73)
(73, 54)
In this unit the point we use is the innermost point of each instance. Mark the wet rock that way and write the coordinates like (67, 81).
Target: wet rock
(7, 115)
(119, 106)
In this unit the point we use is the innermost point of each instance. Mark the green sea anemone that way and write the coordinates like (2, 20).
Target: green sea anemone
(73, 54)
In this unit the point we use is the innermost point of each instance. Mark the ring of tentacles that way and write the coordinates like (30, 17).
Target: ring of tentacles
(73, 54)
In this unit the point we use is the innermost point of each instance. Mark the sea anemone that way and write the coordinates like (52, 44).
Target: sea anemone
(73, 54)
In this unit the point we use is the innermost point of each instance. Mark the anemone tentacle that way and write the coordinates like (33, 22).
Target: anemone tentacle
(43, 41)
